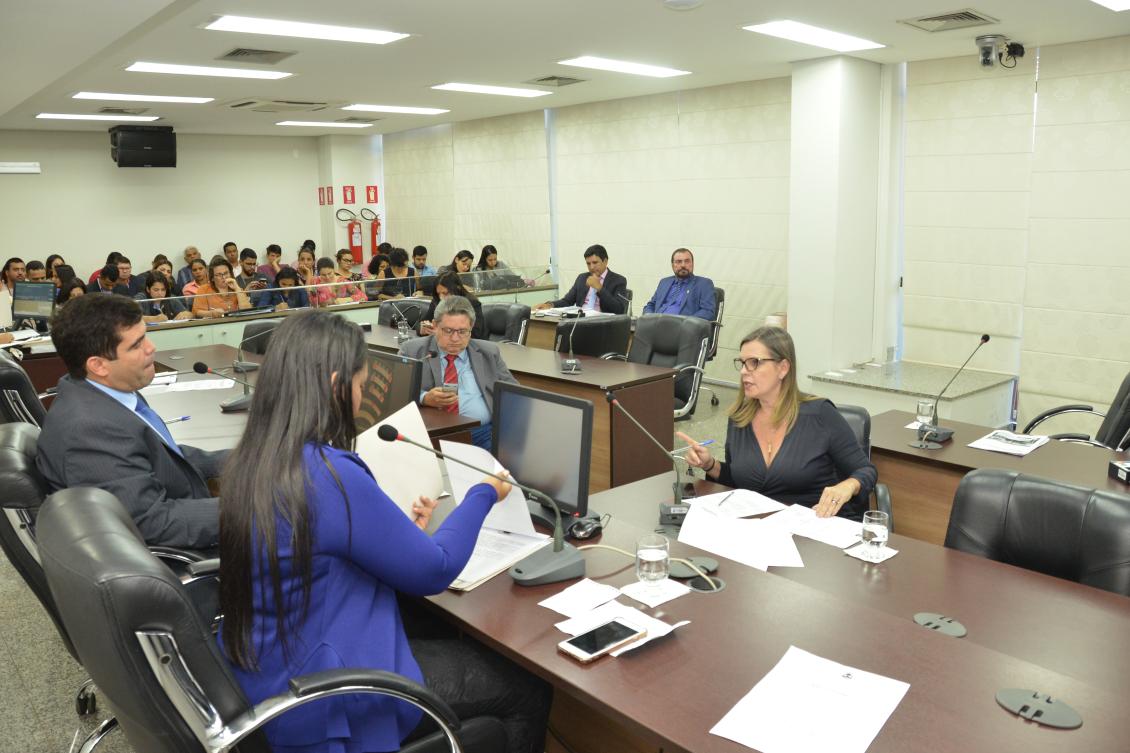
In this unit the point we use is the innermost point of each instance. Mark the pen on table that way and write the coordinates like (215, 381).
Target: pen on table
(725, 498)
(700, 444)
(177, 420)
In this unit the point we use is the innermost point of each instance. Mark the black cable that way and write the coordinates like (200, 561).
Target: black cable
(556, 736)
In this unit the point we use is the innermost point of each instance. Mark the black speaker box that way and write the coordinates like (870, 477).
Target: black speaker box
(143, 146)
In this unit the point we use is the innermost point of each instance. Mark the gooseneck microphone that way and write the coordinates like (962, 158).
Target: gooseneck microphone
(571, 365)
(562, 562)
(928, 434)
(677, 487)
(241, 366)
(543, 274)
(232, 404)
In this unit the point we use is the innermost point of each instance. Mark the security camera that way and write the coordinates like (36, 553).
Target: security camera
(989, 45)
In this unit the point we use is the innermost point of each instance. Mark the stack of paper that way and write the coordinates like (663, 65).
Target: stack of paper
(739, 503)
(1009, 443)
(404, 472)
(749, 542)
(801, 520)
(558, 311)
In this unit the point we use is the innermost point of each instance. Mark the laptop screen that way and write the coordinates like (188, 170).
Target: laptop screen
(33, 300)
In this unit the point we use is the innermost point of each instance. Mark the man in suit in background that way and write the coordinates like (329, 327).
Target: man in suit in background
(107, 282)
(101, 432)
(599, 289)
(683, 293)
(468, 368)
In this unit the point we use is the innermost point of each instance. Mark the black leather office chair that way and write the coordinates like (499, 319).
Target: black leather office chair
(155, 659)
(676, 342)
(412, 309)
(1054, 528)
(715, 331)
(860, 422)
(18, 399)
(1113, 433)
(506, 322)
(257, 336)
(594, 335)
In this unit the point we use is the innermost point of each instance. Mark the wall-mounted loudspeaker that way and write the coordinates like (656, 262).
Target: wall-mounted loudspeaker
(143, 146)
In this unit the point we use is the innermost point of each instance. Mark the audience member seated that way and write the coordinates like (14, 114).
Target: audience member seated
(64, 273)
(304, 265)
(345, 263)
(250, 279)
(111, 258)
(420, 262)
(107, 282)
(450, 284)
(274, 263)
(162, 264)
(184, 274)
(331, 294)
(792, 447)
(308, 520)
(683, 293)
(231, 253)
(101, 432)
(199, 278)
(53, 261)
(35, 271)
(401, 277)
(126, 277)
(599, 289)
(70, 289)
(14, 271)
(461, 265)
(155, 304)
(221, 295)
(377, 267)
(454, 358)
(285, 295)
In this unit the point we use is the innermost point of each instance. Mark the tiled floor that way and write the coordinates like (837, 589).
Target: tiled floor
(38, 678)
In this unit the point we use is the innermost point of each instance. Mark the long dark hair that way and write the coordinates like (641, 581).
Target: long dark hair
(487, 251)
(454, 285)
(298, 402)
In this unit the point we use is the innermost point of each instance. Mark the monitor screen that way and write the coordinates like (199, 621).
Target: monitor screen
(33, 300)
(545, 441)
(394, 381)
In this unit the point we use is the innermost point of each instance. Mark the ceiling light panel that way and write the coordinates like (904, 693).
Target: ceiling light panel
(623, 66)
(278, 28)
(109, 97)
(503, 91)
(396, 109)
(317, 124)
(830, 40)
(1114, 4)
(205, 70)
(77, 116)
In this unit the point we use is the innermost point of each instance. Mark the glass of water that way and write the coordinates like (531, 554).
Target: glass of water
(653, 562)
(925, 412)
(875, 531)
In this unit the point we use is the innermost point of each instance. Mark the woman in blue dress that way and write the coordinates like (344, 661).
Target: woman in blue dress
(313, 555)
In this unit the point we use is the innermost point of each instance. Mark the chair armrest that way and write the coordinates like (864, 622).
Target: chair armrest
(883, 504)
(203, 568)
(49, 392)
(169, 554)
(615, 357)
(681, 367)
(1080, 439)
(1059, 411)
(318, 685)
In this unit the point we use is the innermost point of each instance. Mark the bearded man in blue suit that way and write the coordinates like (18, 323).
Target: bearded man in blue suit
(683, 293)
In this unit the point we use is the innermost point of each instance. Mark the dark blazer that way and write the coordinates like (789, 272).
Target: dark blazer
(94, 287)
(90, 439)
(486, 365)
(609, 295)
(699, 300)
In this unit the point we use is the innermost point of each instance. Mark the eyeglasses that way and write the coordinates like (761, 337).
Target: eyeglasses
(750, 364)
(449, 332)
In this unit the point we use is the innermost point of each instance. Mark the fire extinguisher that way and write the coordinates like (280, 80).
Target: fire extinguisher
(352, 231)
(374, 228)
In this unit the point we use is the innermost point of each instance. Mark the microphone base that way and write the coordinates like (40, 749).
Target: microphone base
(547, 566)
(924, 445)
(236, 404)
(571, 366)
(244, 366)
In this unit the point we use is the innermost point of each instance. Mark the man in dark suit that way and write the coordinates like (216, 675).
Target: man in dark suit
(101, 432)
(468, 368)
(599, 289)
(107, 282)
(683, 293)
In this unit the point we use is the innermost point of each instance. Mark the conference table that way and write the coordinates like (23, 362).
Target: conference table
(1026, 630)
(620, 453)
(923, 482)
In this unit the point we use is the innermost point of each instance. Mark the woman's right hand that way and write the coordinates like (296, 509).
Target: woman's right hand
(502, 487)
(426, 328)
(697, 455)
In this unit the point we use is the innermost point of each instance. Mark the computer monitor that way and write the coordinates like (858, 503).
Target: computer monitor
(545, 441)
(33, 300)
(394, 381)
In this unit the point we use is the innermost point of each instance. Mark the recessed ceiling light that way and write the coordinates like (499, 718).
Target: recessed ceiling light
(814, 35)
(277, 28)
(505, 91)
(317, 124)
(397, 109)
(1114, 4)
(623, 66)
(72, 116)
(109, 97)
(205, 70)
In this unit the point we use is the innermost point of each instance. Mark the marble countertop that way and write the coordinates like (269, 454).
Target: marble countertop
(910, 378)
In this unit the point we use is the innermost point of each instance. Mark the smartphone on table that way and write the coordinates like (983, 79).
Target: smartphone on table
(601, 640)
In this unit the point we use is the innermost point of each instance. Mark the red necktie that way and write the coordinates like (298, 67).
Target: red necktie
(451, 376)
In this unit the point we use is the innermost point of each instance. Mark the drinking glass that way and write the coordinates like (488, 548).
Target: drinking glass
(402, 330)
(875, 528)
(925, 412)
(652, 560)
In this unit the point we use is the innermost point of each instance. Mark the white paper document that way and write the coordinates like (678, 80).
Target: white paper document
(403, 472)
(201, 384)
(558, 311)
(654, 594)
(1009, 443)
(496, 551)
(746, 541)
(860, 553)
(777, 715)
(739, 503)
(614, 610)
(801, 520)
(580, 598)
(511, 514)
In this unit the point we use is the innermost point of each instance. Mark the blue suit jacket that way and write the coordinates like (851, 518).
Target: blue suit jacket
(699, 301)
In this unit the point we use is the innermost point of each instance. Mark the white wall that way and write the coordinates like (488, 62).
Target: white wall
(419, 172)
(251, 190)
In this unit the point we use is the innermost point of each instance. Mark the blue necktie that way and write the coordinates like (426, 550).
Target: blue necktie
(158, 425)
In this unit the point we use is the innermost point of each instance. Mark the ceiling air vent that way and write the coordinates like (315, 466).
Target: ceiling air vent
(275, 105)
(123, 110)
(555, 81)
(958, 19)
(250, 55)
(353, 119)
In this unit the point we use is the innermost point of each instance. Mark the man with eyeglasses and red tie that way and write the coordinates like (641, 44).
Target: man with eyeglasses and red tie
(459, 373)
